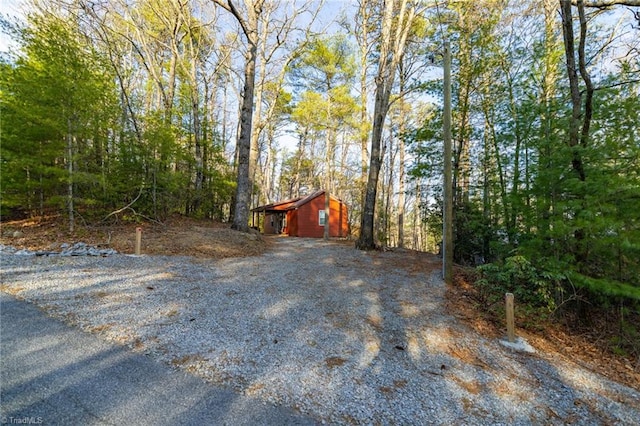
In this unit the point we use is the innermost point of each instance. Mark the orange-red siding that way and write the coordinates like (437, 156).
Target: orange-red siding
(292, 223)
(305, 221)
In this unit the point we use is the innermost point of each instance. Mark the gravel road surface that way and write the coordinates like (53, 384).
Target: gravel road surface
(344, 336)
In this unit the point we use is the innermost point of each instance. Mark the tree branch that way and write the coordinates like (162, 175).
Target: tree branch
(608, 3)
(125, 207)
(231, 8)
(618, 84)
(588, 103)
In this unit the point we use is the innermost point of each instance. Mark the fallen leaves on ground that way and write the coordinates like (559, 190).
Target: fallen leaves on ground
(178, 236)
(582, 349)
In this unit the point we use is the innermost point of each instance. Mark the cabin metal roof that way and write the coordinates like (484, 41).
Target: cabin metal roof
(295, 203)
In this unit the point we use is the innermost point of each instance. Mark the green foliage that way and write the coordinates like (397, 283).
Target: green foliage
(58, 91)
(473, 234)
(605, 287)
(530, 285)
(61, 106)
(323, 108)
(575, 237)
(326, 63)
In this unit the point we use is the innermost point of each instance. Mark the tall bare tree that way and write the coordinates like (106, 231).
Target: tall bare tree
(257, 20)
(397, 16)
(248, 21)
(279, 22)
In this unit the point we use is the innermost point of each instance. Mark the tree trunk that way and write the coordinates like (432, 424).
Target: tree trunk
(197, 135)
(401, 169)
(396, 22)
(363, 40)
(244, 186)
(366, 240)
(389, 191)
(581, 115)
(257, 123)
(576, 97)
(70, 206)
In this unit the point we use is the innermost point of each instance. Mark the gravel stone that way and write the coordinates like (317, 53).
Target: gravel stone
(78, 249)
(342, 335)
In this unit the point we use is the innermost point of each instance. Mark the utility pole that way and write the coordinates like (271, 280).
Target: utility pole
(447, 212)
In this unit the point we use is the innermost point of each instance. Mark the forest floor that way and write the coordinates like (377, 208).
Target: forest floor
(589, 347)
(206, 239)
(177, 236)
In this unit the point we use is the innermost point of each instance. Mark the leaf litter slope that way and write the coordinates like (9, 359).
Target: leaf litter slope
(344, 335)
(176, 236)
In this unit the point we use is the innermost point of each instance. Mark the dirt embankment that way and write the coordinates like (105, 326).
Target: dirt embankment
(177, 236)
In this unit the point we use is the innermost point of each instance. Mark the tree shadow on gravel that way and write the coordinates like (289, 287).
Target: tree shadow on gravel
(52, 374)
(343, 335)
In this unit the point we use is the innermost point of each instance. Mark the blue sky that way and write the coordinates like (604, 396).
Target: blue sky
(8, 8)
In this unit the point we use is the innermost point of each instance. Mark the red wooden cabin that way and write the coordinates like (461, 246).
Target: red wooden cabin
(304, 217)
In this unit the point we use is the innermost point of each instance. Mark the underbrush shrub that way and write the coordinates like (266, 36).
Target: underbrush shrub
(532, 287)
(614, 320)
(626, 342)
(473, 235)
(587, 306)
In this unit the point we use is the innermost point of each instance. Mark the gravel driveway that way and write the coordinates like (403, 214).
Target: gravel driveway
(346, 336)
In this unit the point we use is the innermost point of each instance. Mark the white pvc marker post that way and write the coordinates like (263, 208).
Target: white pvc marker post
(138, 240)
(511, 335)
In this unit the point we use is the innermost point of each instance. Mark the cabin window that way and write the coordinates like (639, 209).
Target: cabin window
(321, 218)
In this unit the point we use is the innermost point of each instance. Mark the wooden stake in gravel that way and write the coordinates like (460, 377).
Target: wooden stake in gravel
(138, 240)
(511, 335)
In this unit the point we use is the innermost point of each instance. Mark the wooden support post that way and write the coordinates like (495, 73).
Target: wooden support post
(511, 335)
(138, 240)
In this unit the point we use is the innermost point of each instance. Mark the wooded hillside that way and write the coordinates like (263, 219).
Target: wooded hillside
(118, 110)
